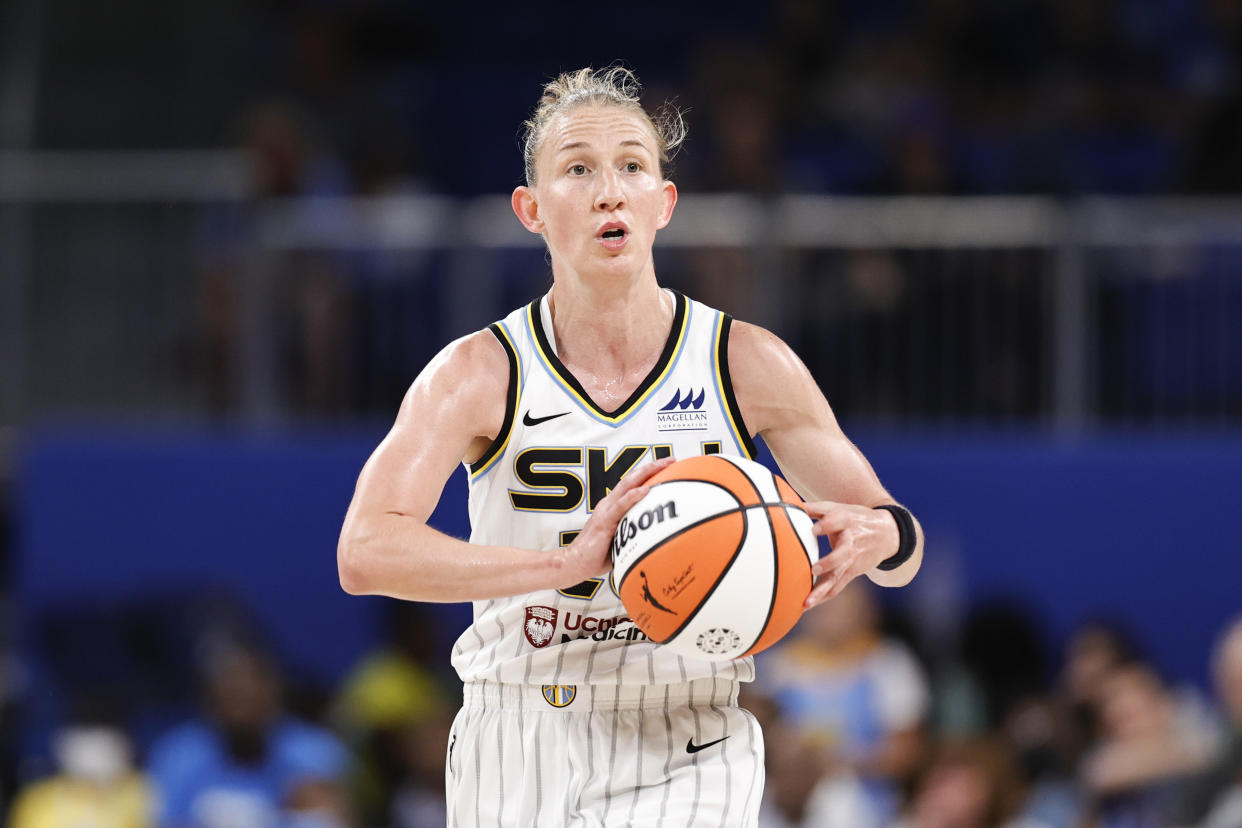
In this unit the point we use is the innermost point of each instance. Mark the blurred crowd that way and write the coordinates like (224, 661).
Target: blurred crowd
(849, 96)
(864, 730)
(967, 97)
(869, 723)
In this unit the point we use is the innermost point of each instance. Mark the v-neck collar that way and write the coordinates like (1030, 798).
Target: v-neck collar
(655, 377)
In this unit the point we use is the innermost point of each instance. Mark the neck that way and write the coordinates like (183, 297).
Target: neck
(610, 325)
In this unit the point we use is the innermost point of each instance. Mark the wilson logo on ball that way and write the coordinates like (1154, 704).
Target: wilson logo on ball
(629, 527)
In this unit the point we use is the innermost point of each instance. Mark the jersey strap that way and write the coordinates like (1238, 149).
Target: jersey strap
(724, 386)
(513, 396)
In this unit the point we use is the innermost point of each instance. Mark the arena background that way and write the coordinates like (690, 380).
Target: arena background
(1004, 236)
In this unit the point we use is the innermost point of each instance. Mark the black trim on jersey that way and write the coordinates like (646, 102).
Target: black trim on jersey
(726, 382)
(510, 401)
(670, 346)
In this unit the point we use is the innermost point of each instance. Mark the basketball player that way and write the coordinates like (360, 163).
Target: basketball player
(561, 411)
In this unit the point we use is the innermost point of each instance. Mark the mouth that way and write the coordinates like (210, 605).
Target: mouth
(613, 235)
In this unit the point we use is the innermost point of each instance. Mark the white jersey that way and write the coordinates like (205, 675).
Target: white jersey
(557, 455)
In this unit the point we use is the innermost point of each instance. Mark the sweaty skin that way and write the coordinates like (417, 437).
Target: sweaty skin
(597, 170)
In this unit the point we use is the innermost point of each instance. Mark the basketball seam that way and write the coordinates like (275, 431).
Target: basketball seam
(776, 577)
(618, 587)
(700, 522)
(723, 572)
(720, 486)
(766, 506)
(683, 530)
(746, 474)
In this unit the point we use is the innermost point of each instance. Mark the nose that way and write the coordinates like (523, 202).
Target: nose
(608, 195)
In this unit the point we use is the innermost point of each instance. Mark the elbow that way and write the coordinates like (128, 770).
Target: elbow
(351, 567)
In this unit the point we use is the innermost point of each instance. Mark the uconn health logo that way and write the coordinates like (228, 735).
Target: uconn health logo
(684, 412)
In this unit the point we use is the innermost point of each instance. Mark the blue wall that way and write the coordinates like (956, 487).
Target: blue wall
(1142, 527)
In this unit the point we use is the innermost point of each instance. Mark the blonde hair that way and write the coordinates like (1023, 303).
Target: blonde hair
(612, 86)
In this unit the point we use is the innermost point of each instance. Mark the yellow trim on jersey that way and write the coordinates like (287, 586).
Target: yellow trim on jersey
(517, 405)
(533, 491)
(720, 388)
(588, 405)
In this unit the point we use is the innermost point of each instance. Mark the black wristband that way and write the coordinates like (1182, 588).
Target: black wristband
(907, 537)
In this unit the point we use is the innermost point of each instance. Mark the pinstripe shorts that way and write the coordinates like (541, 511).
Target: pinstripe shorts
(598, 755)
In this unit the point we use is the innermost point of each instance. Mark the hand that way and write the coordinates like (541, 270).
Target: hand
(860, 537)
(588, 556)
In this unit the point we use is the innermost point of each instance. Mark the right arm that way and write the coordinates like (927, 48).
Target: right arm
(451, 414)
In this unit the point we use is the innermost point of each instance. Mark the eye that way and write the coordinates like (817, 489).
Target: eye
(633, 166)
(578, 169)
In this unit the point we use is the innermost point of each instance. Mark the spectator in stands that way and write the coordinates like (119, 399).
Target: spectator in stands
(419, 801)
(97, 785)
(1094, 651)
(803, 789)
(393, 699)
(1214, 798)
(311, 319)
(862, 697)
(1151, 740)
(247, 762)
(1042, 734)
(968, 784)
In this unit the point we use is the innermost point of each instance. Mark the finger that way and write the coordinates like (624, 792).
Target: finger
(641, 474)
(613, 508)
(819, 508)
(827, 589)
(818, 595)
(830, 563)
(630, 498)
(833, 522)
(839, 582)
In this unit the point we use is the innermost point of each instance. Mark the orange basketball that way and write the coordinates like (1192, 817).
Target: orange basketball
(715, 561)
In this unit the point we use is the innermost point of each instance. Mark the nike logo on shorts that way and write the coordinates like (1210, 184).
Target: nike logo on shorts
(528, 420)
(691, 747)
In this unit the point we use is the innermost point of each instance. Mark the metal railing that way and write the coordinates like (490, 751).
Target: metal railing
(139, 283)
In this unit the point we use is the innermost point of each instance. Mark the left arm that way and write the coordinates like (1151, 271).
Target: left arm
(780, 401)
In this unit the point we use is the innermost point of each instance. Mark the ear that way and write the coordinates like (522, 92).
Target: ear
(526, 208)
(669, 191)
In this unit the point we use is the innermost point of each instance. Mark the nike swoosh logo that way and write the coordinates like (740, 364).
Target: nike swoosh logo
(691, 747)
(528, 420)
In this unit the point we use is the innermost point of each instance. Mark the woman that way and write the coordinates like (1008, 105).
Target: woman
(570, 715)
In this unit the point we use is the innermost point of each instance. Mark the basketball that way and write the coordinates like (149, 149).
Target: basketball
(715, 561)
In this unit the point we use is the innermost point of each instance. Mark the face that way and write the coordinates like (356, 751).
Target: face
(954, 795)
(599, 197)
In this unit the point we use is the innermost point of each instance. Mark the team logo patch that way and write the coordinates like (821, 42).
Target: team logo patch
(560, 695)
(540, 625)
(683, 412)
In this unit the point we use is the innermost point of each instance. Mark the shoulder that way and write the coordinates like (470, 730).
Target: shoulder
(479, 356)
(756, 351)
(772, 385)
(468, 373)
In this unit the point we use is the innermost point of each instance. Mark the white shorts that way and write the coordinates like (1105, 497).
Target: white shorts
(598, 755)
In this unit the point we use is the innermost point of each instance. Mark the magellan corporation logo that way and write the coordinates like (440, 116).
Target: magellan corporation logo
(683, 412)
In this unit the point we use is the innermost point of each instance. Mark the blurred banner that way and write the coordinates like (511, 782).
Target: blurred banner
(1136, 528)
